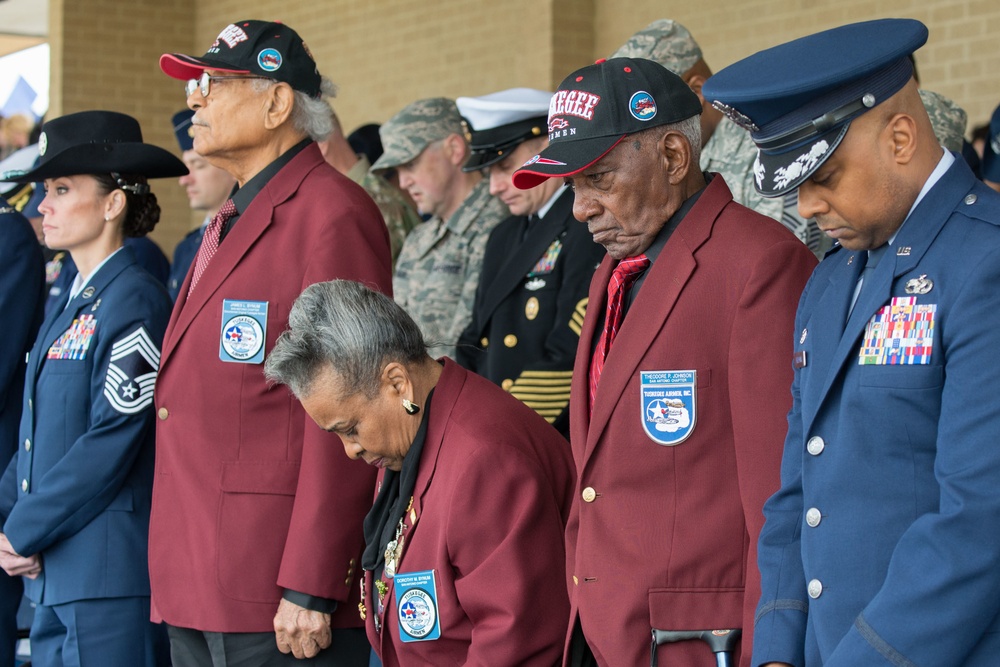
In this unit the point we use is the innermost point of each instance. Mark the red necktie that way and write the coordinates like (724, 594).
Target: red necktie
(622, 279)
(210, 241)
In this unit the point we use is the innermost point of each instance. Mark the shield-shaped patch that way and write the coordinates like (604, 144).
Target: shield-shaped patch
(669, 405)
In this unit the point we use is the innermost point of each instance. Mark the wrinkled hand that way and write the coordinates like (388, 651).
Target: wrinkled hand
(300, 631)
(15, 564)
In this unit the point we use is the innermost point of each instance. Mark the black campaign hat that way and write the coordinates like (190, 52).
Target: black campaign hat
(96, 142)
(599, 105)
(261, 48)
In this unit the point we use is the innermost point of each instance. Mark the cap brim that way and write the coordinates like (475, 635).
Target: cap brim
(564, 158)
(778, 174)
(180, 66)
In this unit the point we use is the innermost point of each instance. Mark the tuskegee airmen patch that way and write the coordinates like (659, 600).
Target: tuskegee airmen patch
(244, 327)
(131, 374)
(669, 405)
(417, 606)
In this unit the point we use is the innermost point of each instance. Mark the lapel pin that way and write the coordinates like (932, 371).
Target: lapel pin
(904, 251)
(802, 338)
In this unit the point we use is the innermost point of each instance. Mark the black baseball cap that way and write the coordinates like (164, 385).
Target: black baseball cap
(599, 105)
(261, 48)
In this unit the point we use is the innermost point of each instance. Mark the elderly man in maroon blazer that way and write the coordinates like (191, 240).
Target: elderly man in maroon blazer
(255, 534)
(682, 376)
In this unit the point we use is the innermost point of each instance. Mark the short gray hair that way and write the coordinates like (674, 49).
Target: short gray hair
(348, 327)
(310, 115)
(689, 127)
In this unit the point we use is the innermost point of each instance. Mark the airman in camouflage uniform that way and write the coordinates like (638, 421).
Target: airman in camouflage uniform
(399, 216)
(947, 118)
(437, 271)
(727, 148)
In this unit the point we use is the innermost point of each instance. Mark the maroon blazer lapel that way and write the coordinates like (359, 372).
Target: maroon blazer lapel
(252, 223)
(648, 314)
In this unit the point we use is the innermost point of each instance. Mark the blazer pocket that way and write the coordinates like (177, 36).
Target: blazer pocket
(696, 608)
(902, 376)
(254, 512)
(123, 502)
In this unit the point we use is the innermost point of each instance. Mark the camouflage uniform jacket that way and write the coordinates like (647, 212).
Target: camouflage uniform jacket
(399, 216)
(731, 152)
(437, 272)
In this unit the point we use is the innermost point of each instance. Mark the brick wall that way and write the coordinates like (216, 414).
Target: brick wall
(960, 59)
(104, 56)
(383, 54)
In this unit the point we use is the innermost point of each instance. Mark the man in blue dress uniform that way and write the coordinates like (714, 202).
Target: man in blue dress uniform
(207, 188)
(882, 546)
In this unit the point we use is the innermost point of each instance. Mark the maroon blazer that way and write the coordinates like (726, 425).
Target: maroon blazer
(665, 536)
(490, 503)
(250, 496)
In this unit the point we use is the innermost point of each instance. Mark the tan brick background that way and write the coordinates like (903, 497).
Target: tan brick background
(104, 56)
(384, 54)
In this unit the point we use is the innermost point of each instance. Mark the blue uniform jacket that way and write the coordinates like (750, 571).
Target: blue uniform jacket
(184, 255)
(882, 546)
(78, 492)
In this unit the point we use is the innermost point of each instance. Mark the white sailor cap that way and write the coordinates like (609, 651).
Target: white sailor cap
(497, 123)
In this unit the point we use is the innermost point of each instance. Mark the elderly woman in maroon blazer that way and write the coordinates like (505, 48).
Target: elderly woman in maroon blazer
(465, 560)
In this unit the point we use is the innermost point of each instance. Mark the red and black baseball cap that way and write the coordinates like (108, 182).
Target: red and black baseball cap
(272, 50)
(599, 105)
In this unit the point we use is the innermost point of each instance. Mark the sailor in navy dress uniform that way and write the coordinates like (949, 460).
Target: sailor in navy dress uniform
(537, 266)
(75, 500)
(22, 279)
(882, 546)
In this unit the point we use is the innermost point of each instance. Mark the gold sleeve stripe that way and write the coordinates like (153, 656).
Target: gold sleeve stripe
(547, 374)
(576, 321)
(550, 395)
(541, 385)
(543, 401)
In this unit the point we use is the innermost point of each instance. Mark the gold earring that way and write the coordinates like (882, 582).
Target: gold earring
(410, 407)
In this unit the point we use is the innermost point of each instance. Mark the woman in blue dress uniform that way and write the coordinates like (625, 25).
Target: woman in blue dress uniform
(74, 502)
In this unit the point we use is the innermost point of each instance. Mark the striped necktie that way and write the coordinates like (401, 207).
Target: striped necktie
(622, 279)
(210, 241)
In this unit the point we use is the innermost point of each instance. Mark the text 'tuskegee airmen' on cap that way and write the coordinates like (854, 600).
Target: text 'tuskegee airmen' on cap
(598, 106)
(798, 99)
(499, 122)
(260, 48)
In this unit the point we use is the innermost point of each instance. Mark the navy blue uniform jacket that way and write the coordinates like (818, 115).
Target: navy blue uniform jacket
(78, 492)
(882, 546)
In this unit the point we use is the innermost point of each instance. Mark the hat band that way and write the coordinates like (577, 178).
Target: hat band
(818, 126)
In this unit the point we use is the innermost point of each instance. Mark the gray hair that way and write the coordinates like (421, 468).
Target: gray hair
(310, 115)
(689, 127)
(348, 327)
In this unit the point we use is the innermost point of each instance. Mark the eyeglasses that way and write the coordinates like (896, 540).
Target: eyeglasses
(205, 82)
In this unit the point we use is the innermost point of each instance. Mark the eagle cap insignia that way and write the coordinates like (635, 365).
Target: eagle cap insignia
(736, 116)
(919, 285)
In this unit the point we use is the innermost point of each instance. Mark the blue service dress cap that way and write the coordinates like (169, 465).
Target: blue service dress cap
(798, 99)
(183, 129)
(991, 151)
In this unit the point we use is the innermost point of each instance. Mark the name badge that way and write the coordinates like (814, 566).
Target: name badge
(901, 333)
(244, 327)
(669, 405)
(417, 606)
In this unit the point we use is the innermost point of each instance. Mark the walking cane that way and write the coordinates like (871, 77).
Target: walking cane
(722, 642)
